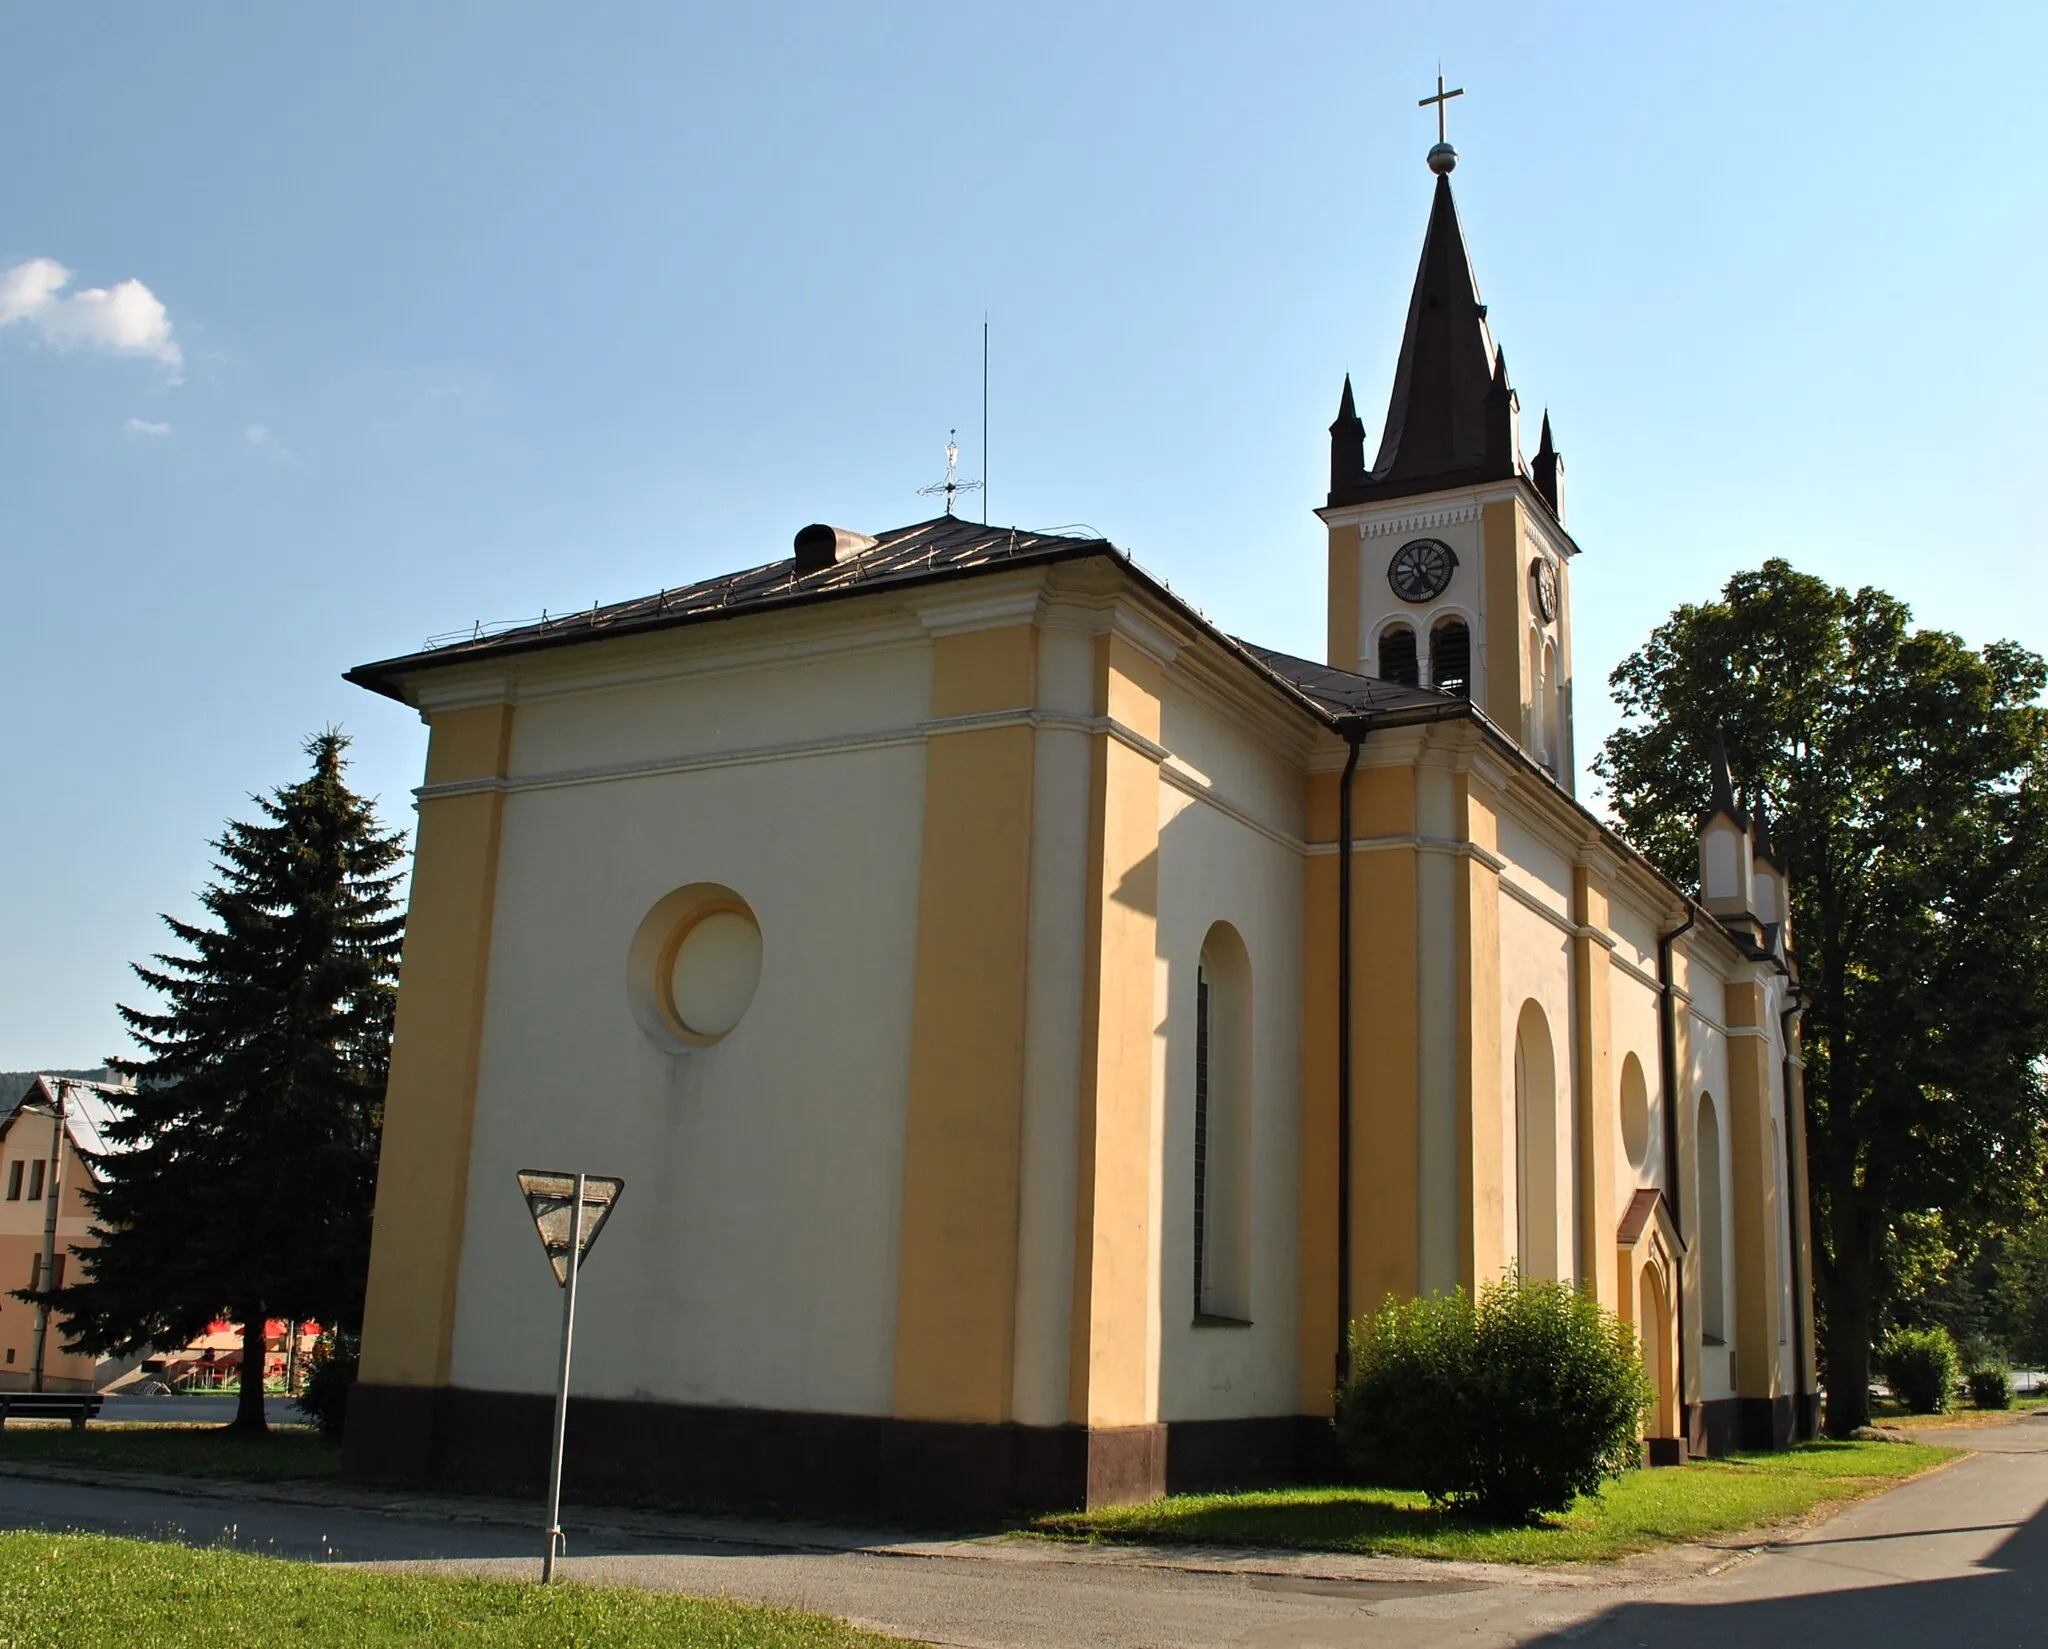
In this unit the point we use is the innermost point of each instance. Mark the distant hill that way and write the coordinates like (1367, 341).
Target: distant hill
(13, 1084)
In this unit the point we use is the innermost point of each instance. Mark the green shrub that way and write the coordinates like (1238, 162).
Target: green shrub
(1507, 1407)
(1921, 1365)
(323, 1392)
(1990, 1387)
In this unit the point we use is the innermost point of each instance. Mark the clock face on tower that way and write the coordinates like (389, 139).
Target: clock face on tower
(1545, 576)
(1421, 569)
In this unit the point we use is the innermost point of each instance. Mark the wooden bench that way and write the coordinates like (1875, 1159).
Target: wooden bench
(75, 1406)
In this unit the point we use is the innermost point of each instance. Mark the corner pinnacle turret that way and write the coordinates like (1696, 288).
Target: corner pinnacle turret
(1347, 445)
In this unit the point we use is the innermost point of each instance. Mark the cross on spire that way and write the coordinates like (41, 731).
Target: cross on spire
(1442, 97)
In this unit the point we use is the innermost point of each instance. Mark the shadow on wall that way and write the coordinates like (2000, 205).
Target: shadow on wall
(2006, 1601)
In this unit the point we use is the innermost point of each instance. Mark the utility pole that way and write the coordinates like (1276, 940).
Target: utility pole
(46, 1273)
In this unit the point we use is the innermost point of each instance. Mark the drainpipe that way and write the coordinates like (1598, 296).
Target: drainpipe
(1667, 1049)
(1354, 738)
(1802, 1301)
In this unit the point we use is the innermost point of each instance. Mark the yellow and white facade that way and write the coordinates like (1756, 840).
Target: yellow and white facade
(48, 1140)
(940, 934)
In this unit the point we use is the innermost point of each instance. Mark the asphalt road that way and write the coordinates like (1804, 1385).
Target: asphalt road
(203, 1410)
(1959, 1557)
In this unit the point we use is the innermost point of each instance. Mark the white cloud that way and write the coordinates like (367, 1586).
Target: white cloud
(142, 426)
(260, 437)
(127, 319)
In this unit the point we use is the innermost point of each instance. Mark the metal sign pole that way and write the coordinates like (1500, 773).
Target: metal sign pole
(547, 1563)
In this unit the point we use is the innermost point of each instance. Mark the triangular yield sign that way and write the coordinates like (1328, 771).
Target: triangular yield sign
(551, 1198)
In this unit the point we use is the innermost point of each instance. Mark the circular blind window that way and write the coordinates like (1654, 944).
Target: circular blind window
(716, 969)
(1635, 1112)
(693, 967)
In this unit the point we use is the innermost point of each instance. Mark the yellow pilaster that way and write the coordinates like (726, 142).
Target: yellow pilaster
(430, 1098)
(1482, 1160)
(1802, 1224)
(1345, 643)
(956, 1299)
(1759, 1368)
(1317, 1322)
(1506, 699)
(1384, 902)
(1384, 1214)
(1681, 1112)
(1594, 1094)
(1112, 1378)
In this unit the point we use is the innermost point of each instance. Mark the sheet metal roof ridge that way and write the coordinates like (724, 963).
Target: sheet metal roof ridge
(977, 550)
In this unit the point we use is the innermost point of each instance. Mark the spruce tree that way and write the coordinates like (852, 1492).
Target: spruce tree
(242, 1169)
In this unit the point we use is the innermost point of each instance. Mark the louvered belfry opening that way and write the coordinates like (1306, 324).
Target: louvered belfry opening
(1398, 660)
(1450, 657)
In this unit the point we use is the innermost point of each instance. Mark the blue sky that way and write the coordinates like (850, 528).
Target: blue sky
(459, 312)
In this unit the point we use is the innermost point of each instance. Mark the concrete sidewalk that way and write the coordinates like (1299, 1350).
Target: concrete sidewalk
(1961, 1554)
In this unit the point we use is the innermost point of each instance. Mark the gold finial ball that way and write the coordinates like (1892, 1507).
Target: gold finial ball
(1442, 158)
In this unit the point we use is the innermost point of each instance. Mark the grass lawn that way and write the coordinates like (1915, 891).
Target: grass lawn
(89, 1592)
(177, 1450)
(1889, 1411)
(1643, 1509)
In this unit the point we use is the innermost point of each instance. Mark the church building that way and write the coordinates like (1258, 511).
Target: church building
(1030, 1022)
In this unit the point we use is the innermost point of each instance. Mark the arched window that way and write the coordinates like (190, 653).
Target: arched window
(1713, 1267)
(1551, 707)
(1450, 657)
(1398, 661)
(1222, 1187)
(1535, 1145)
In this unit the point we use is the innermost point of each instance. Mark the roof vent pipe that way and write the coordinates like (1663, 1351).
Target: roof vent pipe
(819, 546)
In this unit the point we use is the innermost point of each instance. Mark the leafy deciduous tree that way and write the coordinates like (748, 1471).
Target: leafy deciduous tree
(1907, 773)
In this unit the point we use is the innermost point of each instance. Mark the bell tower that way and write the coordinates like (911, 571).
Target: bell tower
(1449, 562)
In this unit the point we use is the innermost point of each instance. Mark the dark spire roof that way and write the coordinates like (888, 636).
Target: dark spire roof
(1450, 420)
(1347, 445)
(1764, 848)
(1548, 470)
(1722, 800)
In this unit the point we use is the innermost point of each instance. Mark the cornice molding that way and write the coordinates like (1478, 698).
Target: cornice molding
(671, 655)
(959, 613)
(1150, 633)
(465, 691)
(1414, 521)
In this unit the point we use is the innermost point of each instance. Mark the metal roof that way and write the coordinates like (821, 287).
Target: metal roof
(1340, 693)
(932, 550)
(89, 1110)
(939, 549)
